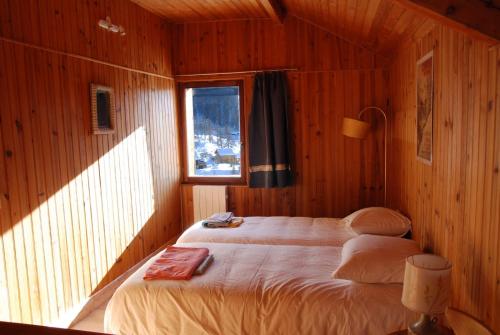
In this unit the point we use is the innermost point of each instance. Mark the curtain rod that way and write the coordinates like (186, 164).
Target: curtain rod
(233, 72)
(181, 76)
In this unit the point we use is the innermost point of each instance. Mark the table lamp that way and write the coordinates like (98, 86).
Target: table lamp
(426, 290)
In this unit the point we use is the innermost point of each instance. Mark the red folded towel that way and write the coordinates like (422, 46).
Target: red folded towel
(176, 263)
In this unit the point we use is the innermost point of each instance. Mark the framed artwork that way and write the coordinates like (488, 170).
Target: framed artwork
(102, 102)
(425, 89)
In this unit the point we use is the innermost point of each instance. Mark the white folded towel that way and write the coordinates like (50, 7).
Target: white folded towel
(218, 220)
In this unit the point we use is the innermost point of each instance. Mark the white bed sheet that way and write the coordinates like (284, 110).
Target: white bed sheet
(257, 289)
(281, 230)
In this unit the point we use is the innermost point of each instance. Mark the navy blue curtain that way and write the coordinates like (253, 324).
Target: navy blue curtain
(269, 153)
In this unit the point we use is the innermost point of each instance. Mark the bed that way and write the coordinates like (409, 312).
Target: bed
(257, 289)
(282, 230)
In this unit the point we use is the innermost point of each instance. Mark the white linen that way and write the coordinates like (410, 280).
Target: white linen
(257, 289)
(375, 259)
(275, 230)
(378, 221)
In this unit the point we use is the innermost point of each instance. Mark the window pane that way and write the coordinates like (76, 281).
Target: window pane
(213, 131)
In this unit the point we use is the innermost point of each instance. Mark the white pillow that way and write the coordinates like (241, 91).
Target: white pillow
(375, 259)
(378, 221)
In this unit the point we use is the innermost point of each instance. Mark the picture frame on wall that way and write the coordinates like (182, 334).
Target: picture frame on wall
(425, 102)
(103, 111)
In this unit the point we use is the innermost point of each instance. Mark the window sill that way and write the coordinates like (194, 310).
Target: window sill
(215, 181)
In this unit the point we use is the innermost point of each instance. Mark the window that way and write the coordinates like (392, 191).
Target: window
(213, 131)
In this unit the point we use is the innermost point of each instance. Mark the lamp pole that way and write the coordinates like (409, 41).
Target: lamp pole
(385, 144)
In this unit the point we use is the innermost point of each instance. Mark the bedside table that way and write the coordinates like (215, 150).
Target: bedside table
(448, 331)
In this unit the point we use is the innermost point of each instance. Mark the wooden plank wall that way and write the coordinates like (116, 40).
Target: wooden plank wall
(334, 78)
(259, 44)
(455, 202)
(78, 210)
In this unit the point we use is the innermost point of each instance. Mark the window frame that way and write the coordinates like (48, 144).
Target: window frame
(225, 180)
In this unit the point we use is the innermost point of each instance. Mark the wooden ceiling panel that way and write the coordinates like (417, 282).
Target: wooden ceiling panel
(203, 10)
(379, 25)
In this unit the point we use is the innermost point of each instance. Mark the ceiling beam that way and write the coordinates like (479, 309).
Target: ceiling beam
(275, 9)
(477, 17)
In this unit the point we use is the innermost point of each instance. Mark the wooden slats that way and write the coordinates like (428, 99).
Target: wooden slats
(218, 47)
(477, 18)
(201, 10)
(72, 27)
(454, 203)
(336, 78)
(380, 25)
(78, 210)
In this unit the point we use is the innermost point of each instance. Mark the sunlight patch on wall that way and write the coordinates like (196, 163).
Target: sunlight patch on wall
(80, 231)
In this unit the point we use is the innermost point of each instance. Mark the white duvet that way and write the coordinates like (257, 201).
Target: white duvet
(275, 230)
(257, 289)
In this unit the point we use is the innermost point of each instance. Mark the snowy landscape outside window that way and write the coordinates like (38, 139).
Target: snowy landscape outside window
(213, 137)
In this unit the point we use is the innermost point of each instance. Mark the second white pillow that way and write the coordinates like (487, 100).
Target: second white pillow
(378, 221)
(375, 259)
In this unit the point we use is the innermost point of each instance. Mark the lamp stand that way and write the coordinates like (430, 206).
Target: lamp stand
(426, 325)
(385, 145)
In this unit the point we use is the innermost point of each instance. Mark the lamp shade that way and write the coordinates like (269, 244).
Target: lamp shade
(426, 287)
(355, 128)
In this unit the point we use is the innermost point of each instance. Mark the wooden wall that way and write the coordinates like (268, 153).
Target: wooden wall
(334, 78)
(78, 210)
(455, 202)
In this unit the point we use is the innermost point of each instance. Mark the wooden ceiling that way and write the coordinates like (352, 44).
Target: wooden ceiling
(203, 10)
(379, 25)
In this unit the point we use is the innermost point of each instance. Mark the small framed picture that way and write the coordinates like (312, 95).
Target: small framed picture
(102, 102)
(425, 89)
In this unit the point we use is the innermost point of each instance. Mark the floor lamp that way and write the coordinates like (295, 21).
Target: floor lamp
(356, 128)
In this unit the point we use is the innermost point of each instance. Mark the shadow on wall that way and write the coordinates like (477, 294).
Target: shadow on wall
(73, 204)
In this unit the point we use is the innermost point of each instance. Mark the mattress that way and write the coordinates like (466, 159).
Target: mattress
(275, 230)
(257, 289)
